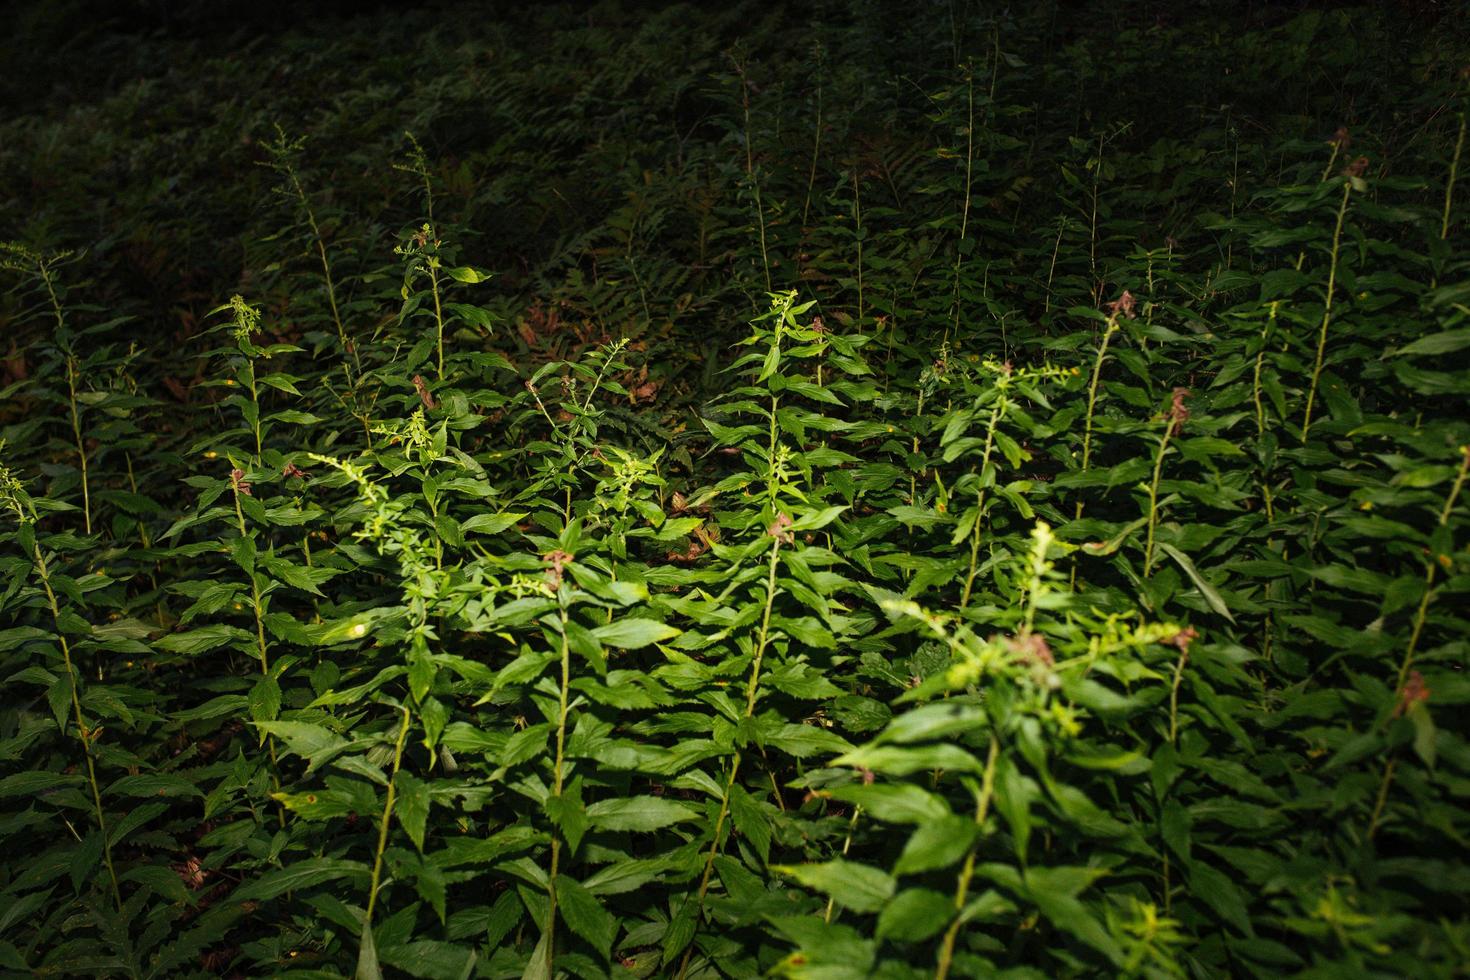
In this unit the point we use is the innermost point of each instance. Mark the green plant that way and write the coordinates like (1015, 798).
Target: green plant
(612, 616)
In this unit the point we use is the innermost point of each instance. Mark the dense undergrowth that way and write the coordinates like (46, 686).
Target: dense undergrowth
(911, 491)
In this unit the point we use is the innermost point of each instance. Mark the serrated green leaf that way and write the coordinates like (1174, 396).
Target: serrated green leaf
(411, 805)
(639, 813)
(585, 915)
(634, 633)
(857, 886)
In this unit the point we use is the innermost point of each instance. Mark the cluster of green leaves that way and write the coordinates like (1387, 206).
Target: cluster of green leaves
(1065, 579)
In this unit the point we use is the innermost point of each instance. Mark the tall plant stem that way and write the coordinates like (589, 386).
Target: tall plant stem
(857, 812)
(383, 824)
(255, 399)
(1449, 187)
(1332, 159)
(1174, 741)
(752, 687)
(1097, 364)
(262, 655)
(1052, 271)
(1102, 353)
(76, 431)
(438, 311)
(811, 179)
(558, 772)
(328, 278)
(1153, 499)
(1347, 189)
(84, 734)
(750, 175)
(967, 872)
(43, 269)
(1092, 236)
(1431, 570)
(857, 217)
(1421, 615)
(959, 254)
(1260, 362)
(1449, 190)
(284, 166)
(321, 249)
(1174, 696)
(975, 532)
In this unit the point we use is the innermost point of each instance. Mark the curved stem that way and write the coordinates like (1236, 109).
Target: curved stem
(1421, 615)
(387, 816)
(959, 256)
(1102, 353)
(1449, 191)
(1347, 189)
(84, 735)
(967, 872)
(1153, 500)
(980, 503)
(752, 688)
(76, 431)
(760, 211)
(559, 774)
(438, 312)
(260, 645)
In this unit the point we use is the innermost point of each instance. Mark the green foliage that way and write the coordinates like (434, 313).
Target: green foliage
(881, 516)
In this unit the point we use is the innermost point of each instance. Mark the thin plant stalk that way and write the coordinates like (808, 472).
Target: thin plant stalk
(967, 872)
(857, 217)
(811, 179)
(1337, 145)
(750, 175)
(1260, 362)
(438, 309)
(1092, 400)
(1449, 187)
(287, 169)
(959, 256)
(1449, 191)
(1092, 237)
(559, 768)
(1431, 568)
(751, 688)
(43, 270)
(84, 734)
(857, 812)
(1421, 615)
(1153, 499)
(1052, 270)
(975, 532)
(418, 166)
(255, 399)
(1179, 665)
(262, 655)
(1102, 353)
(1347, 189)
(383, 825)
(76, 431)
